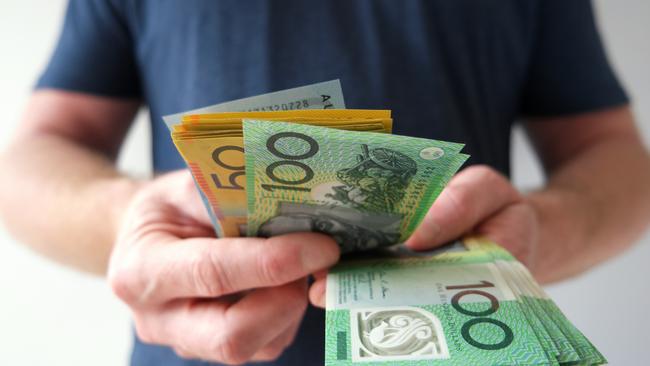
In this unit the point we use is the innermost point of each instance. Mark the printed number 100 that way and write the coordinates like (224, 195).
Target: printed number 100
(290, 160)
(480, 316)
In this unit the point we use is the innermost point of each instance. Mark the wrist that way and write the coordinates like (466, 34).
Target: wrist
(116, 194)
(564, 226)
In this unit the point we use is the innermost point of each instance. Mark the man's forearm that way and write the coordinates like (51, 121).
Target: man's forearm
(62, 199)
(593, 207)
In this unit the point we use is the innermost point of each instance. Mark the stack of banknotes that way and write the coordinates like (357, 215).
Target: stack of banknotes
(297, 160)
(469, 303)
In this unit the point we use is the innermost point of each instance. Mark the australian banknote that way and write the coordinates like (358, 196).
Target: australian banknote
(457, 306)
(325, 95)
(366, 190)
(212, 146)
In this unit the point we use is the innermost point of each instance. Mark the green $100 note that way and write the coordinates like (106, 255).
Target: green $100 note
(453, 308)
(366, 190)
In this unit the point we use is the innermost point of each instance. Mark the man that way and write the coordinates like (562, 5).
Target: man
(459, 71)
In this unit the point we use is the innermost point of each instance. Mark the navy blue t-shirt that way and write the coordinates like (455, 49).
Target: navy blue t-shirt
(453, 70)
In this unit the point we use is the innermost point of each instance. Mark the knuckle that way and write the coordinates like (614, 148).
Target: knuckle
(208, 274)
(182, 353)
(124, 280)
(461, 201)
(142, 330)
(484, 171)
(272, 353)
(231, 350)
(274, 264)
(119, 284)
(489, 177)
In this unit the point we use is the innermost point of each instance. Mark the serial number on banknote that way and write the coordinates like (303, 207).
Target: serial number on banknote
(323, 102)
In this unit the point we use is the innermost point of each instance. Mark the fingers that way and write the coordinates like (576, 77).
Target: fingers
(274, 349)
(516, 229)
(203, 267)
(472, 196)
(171, 199)
(320, 274)
(270, 352)
(178, 189)
(317, 292)
(169, 270)
(230, 333)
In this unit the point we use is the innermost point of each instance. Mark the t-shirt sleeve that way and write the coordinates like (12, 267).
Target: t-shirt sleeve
(569, 72)
(94, 53)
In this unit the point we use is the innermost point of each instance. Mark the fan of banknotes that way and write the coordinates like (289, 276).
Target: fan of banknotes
(297, 160)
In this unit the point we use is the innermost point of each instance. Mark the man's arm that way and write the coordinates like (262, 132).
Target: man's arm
(594, 205)
(596, 202)
(61, 193)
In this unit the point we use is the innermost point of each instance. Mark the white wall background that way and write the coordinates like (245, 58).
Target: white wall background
(50, 315)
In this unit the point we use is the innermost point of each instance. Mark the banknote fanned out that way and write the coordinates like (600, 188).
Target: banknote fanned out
(455, 307)
(213, 148)
(319, 96)
(366, 190)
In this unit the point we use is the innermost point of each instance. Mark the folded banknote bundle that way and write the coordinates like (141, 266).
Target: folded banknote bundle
(296, 160)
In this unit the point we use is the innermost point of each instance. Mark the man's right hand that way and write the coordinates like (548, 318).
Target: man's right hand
(177, 278)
